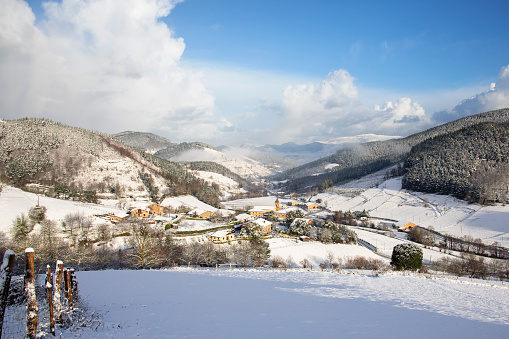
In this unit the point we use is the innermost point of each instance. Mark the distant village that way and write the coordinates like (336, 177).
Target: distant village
(261, 220)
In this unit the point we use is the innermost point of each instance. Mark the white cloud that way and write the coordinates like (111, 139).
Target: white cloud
(496, 97)
(102, 64)
(332, 109)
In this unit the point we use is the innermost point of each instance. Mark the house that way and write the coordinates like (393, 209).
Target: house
(156, 209)
(266, 226)
(280, 214)
(293, 203)
(243, 218)
(118, 217)
(139, 213)
(260, 211)
(310, 206)
(199, 213)
(222, 236)
(407, 226)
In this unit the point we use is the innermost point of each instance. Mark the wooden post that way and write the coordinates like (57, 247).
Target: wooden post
(68, 287)
(32, 309)
(66, 284)
(5, 282)
(74, 285)
(58, 287)
(49, 288)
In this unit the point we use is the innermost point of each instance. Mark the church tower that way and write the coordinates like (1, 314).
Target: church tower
(277, 204)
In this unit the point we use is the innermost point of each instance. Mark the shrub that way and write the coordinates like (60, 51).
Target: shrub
(407, 256)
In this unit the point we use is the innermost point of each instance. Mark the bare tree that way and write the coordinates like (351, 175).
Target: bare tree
(143, 246)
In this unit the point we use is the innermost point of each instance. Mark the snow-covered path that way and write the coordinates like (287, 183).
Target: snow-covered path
(297, 304)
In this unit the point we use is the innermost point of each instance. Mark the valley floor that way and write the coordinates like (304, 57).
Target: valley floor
(290, 304)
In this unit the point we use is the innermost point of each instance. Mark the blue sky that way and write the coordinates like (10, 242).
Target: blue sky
(416, 45)
(234, 72)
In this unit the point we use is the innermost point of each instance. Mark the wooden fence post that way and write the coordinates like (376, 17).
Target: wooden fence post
(5, 282)
(32, 310)
(58, 287)
(68, 287)
(74, 285)
(49, 287)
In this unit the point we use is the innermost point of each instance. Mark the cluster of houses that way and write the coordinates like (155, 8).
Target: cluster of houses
(254, 217)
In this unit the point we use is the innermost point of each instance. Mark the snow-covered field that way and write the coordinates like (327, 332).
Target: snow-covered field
(290, 304)
(445, 213)
(14, 201)
(316, 252)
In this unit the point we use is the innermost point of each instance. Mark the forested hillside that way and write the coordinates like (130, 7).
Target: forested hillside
(471, 164)
(80, 161)
(354, 162)
(145, 141)
(157, 145)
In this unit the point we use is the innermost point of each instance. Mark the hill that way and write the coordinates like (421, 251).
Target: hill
(471, 164)
(80, 164)
(246, 163)
(356, 161)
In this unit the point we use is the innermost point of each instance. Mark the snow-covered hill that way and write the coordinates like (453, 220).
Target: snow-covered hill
(239, 164)
(446, 214)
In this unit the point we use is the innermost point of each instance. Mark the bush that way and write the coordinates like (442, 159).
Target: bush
(407, 256)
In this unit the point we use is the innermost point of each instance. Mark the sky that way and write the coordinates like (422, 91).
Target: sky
(231, 72)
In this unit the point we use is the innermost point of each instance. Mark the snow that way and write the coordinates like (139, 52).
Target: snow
(446, 214)
(226, 185)
(316, 252)
(14, 201)
(243, 166)
(189, 201)
(284, 304)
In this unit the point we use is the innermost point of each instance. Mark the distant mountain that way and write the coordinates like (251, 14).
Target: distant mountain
(355, 161)
(248, 163)
(306, 153)
(81, 163)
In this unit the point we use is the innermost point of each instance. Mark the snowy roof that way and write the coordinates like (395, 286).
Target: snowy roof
(262, 222)
(243, 216)
(197, 211)
(142, 205)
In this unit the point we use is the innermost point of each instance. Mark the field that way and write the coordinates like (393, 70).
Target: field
(290, 304)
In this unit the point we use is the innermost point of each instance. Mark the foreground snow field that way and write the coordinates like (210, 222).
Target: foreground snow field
(290, 304)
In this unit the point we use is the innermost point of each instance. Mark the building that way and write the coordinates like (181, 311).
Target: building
(407, 226)
(118, 217)
(156, 209)
(222, 236)
(199, 213)
(139, 213)
(266, 226)
(310, 206)
(243, 218)
(260, 211)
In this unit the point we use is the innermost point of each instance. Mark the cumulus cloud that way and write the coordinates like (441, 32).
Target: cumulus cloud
(307, 110)
(496, 97)
(103, 64)
(332, 109)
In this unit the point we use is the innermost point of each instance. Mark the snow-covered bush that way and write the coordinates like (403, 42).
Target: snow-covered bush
(407, 256)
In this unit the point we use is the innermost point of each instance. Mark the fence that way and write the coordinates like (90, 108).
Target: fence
(31, 305)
